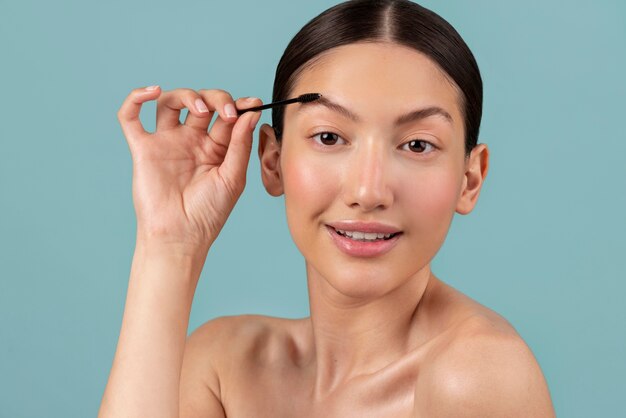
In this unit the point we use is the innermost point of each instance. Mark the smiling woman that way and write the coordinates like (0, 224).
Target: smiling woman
(372, 174)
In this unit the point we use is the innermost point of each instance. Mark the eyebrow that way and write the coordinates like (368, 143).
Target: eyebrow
(411, 116)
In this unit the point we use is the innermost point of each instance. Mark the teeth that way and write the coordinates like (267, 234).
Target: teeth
(363, 236)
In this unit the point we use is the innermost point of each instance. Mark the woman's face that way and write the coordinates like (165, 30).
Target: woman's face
(353, 163)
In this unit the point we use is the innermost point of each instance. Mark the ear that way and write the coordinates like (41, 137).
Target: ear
(269, 155)
(476, 167)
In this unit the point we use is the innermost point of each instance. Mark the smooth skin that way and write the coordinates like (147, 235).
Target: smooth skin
(386, 337)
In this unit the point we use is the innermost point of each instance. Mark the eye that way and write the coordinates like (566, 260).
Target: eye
(327, 138)
(418, 145)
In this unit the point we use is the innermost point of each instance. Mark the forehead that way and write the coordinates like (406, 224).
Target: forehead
(380, 80)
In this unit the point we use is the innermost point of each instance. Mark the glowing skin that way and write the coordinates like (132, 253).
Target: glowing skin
(386, 338)
(362, 306)
(371, 174)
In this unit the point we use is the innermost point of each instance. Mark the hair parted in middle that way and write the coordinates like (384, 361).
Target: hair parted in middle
(396, 21)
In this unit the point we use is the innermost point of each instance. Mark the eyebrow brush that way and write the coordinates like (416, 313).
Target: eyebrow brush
(303, 98)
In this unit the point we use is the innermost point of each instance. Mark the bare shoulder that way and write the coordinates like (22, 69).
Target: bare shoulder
(483, 368)
(219, 350)
(240, 338)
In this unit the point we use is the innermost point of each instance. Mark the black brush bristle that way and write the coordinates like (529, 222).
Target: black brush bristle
(308, 97)
(303, 98)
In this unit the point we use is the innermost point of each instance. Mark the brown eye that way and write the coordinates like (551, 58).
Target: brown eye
(418, 146)
(327, 138)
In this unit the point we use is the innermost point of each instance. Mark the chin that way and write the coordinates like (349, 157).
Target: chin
(361, 280)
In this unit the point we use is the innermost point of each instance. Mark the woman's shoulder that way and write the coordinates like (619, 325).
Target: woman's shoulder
(248, 337)
(491, 371)
(479, 359)
(225, 353)
(465, 328)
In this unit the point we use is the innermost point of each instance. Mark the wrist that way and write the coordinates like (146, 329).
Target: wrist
(185, 259)
(165, 246)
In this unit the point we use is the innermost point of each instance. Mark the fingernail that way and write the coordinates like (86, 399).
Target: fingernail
(230, 110)
(201, 106)
(152, 88)
(250, 99)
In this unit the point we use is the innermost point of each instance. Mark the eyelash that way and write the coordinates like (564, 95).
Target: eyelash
(313, 137)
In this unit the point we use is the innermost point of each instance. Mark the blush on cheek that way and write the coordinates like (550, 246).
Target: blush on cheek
(434, 200)
(442, 189)
(310, 187)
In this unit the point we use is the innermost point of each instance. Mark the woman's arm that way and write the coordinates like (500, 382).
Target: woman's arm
(186, 182)
(145, 376)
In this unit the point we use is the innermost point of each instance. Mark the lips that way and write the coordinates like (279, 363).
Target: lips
(360, 239)
(359, 226)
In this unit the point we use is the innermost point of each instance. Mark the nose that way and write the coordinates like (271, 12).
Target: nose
(367, 181)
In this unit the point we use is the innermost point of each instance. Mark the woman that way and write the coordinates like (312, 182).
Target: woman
(372, 174)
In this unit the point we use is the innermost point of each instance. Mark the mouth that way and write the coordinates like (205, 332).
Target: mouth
(365, 236)
(363, 239)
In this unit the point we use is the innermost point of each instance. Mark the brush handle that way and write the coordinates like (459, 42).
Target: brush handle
(267, 106)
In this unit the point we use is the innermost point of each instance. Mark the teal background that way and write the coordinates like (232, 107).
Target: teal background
(545, 246)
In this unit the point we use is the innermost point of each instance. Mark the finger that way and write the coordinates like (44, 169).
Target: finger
(172, 102)
(233, 169)
(128, 114)
(222, 130)
(216, 100)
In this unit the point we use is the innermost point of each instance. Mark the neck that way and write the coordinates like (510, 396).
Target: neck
(356, 336)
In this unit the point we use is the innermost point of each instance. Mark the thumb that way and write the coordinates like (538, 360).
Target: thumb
(235, 164)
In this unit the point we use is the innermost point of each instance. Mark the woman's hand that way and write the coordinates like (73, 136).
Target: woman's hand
(186, 180)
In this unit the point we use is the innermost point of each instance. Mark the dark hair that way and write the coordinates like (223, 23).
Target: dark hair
(398, 21)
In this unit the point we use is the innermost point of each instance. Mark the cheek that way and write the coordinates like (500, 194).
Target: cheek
(310, 187)
(433, 199)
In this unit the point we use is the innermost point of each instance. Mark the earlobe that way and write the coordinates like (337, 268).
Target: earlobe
(269, 156)
(475, 174)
